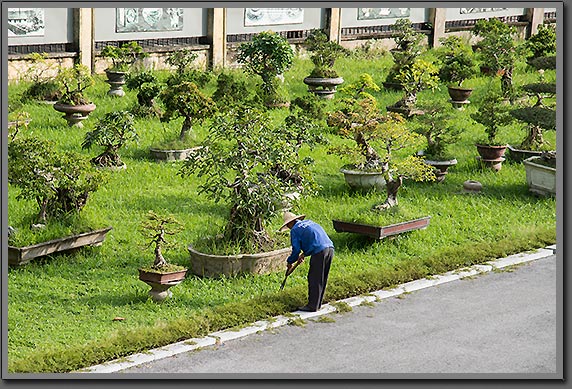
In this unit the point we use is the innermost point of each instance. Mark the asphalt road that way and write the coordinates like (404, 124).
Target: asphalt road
(497, 322)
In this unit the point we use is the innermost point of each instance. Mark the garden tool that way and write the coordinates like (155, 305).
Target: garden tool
(289, 271)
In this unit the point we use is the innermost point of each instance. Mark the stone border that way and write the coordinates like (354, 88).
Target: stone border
(219, 337)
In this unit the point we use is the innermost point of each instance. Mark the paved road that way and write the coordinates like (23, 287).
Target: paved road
(498, 322)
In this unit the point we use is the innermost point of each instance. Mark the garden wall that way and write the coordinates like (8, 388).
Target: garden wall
(71, 35)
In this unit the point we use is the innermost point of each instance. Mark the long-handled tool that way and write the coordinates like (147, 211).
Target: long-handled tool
(291, 269)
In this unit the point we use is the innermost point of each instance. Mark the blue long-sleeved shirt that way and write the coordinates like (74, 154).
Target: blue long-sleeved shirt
(309, 237)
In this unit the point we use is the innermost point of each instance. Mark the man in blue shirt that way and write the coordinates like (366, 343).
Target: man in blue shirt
(310, 238)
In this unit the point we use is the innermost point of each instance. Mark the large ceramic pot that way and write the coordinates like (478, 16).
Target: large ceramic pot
(116, 80)
(214, 266)
(365, 180)
(541, 179)
(459, 94)
(323, 87)
(75, 114)
(490, 152)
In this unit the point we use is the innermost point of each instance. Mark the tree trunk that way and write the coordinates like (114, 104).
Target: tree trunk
(392, 187)
(186, 129)
(159, 259)
(371, 156)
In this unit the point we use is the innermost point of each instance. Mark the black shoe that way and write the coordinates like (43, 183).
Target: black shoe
(306, 308)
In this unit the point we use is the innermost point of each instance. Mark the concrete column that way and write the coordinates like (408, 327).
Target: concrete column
(84, 36)
(334, 27)
(437, 17)
(535, 17)
(216, 34)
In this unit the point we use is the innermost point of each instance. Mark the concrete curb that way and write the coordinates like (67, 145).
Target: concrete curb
(262, 325)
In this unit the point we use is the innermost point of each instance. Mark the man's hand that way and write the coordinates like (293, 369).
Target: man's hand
(301, 258)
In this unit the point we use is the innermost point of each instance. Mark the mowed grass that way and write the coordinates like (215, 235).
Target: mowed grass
(61, 309)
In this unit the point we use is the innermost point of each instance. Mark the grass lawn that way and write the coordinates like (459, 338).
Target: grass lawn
(61, 309)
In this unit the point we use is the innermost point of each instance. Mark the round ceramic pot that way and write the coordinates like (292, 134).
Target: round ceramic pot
(359, 179)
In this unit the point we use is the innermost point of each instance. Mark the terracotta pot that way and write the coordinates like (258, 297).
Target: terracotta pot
(161, 282)
(459, 94)
(491, 153)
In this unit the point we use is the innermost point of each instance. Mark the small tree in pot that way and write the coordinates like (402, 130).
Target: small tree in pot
(161, 275)
(44, 87)
(541, 44)
(267, 55)
(408, 47)
(148, 89)
(182, 60)
(73, 103)
(112, 132)
(458, 64)
(122, 57)
(323, 79)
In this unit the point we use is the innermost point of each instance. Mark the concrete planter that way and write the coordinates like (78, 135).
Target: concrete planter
(323, 87)
(21, 255)
(441, 167)
(379, 232)
(213, 266)
(75, 114)
(541, 179)
(359, 179)
(171, 155)
(116, 80)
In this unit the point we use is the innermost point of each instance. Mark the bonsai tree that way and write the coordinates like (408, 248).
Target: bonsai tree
(267, 55)
(378, 137)
(420, 75)
(111, 132)
(43, 87)
(183, 60)
(457, 59)
(493, 115)
(74, 81)
(436, 125)
(148, 89)
(122, 56)
(323, 54)
(156, 228)
(187, 101)
(230, 91)
(408, 47)
(541, 44)
(235, 164)
(498, 50)
(59, 182)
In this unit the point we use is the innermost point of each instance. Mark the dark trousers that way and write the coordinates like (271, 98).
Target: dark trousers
(318, 276)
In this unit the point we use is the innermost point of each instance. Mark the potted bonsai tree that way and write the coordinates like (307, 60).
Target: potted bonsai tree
(436, 125)
(187, 101)
(148, 89)
(541, 44)
(231, 91)
(73, 102)
(408, 47)
(420, 75)
(498, 51)
(122, 57)
(44, 86)
(111, 132)
(323, 79)
(182, 60)
(493, 115)
(267, 55)
(362, 121)
(236, 166)
(60, 183)
(161, 275)
(458, 64)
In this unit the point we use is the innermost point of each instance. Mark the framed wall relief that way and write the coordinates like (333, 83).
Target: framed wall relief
(480, 10)
(383, 13)
(26, 22)
(148, 19)
(272, 16)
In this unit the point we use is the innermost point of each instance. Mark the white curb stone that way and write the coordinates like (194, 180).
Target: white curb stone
(278, 321)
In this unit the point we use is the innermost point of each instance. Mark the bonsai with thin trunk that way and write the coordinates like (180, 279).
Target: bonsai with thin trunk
(378, 139)
(267, 55)
(74, 82)
(408, 47)
(187, 101)
(148, 88)
(415, 78)
(156, 228)
(111, 132)
(122, 56)
(44, 85)
(437, 126)
(323, 54)
(493, 115)
(457, 61)
(182, 60)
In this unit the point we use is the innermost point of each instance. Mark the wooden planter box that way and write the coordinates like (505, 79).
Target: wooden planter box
(21, 255)
(208, 265)
(378, 232)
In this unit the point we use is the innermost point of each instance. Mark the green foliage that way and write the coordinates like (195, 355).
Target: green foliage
(181, 59)
(309, 105)
(230, 91)
(493, 115)
(43, 87)
(420, 75)
(409, 47)
(75, 81)
(458, 62)
(267, 55)
(438, 126)
(155, 228)
(236, 164)
(123, 56)
(541, 44)
(148, 89)
(60, 182)
(112, 132)
(548, 62)
(186, 100)
(323, 54)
